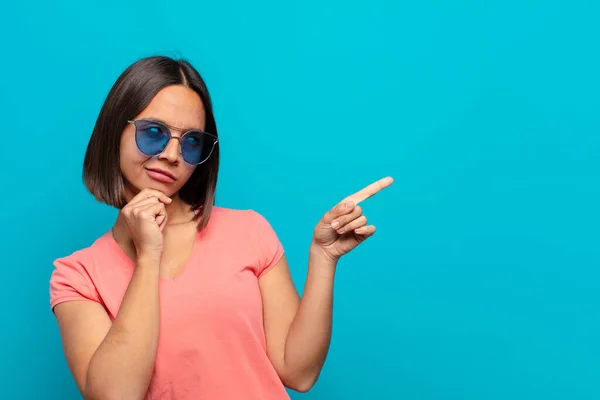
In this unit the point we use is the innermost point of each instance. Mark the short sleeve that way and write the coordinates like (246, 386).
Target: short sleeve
(70, 281)
(270, 249)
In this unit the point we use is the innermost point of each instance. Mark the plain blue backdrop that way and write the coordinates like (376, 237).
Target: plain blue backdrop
(483, 279)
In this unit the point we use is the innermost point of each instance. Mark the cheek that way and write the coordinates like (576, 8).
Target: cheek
(186, 172)
(130, 158)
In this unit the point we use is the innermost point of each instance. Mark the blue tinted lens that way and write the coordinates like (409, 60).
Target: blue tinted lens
(196, 147)
(151, 138)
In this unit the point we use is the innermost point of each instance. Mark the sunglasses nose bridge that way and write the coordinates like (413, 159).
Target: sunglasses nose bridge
(172, 150)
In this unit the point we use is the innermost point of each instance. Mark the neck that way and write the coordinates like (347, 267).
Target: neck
(178, 213)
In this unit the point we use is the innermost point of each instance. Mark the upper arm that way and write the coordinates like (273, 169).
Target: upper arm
(280, 303)
(82, 320)
(279, 296)
(83, 326)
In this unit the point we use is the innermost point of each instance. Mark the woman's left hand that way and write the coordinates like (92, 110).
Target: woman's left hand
(344, 227)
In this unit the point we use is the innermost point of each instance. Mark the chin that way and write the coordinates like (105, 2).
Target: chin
(167, 189)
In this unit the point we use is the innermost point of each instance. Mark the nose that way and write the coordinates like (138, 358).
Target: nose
(171, 152)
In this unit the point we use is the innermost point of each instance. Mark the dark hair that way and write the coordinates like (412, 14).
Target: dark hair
(130, 95)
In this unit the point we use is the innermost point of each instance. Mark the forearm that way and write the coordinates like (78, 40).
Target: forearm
(309, 336)
(122, 365)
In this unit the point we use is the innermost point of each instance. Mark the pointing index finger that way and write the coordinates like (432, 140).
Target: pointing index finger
(370, 190)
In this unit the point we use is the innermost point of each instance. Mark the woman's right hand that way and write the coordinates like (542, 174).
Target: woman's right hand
(146, 217)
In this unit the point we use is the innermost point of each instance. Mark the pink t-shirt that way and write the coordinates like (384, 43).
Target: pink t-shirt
(212, 341)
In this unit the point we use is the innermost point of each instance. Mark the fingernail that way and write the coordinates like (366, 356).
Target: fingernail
(335, 224)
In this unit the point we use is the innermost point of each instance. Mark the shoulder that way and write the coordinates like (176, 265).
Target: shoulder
(72, 276)
(248, 219)
(242, 225)
(252, 234)
(77, 267)
(84, 256)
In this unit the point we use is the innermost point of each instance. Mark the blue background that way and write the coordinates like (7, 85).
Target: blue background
(482, 281)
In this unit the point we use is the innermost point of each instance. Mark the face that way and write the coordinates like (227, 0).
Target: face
(182, 110)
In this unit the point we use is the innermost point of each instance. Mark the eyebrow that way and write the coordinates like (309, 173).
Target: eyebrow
(173, 127)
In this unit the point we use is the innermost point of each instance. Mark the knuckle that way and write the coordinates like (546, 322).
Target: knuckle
(148, 193)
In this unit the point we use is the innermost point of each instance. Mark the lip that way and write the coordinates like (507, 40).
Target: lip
(161, 175)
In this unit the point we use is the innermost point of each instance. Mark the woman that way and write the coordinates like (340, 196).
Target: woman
(182, 299)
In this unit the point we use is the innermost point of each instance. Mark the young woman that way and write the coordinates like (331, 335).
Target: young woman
(183, 299)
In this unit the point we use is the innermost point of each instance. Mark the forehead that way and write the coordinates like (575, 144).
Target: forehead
(178, 106)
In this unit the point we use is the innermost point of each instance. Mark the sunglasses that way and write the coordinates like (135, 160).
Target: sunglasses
(152, 138)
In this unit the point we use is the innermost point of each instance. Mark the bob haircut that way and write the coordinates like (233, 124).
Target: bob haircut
(130, 95)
